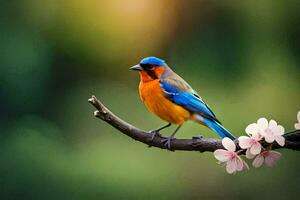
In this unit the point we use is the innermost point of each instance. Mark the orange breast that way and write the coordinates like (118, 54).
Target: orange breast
(153, 97)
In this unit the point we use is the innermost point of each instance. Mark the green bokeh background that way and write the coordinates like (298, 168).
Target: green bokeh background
(242, 57)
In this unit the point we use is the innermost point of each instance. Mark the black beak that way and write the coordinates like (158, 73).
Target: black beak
(136, 67)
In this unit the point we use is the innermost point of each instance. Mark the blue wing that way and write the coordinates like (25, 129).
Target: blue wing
(179, 92)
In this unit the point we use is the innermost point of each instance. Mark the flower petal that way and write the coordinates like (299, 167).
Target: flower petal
(228, 144)
(269, 138)
(257, 137)
(249, 155)
(262, 123)
(231, 166)
(273, 124)
(222, 155)
(244, 142)
(258, 161)
(280, 140)
(297, 126)
(279, 130)
(252, 129)
(240, 164)
(272, 157)
(255, 148)
(298, 116)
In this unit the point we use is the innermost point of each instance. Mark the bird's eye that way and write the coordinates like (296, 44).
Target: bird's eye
(147, 66)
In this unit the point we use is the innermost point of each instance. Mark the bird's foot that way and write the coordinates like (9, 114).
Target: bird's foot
(167, 142)
(154, 133)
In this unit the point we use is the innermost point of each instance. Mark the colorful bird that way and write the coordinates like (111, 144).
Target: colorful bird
(172, 99)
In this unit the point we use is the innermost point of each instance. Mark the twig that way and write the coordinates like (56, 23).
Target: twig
(194, 144)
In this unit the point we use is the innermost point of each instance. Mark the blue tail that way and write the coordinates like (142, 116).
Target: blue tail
(218, 128)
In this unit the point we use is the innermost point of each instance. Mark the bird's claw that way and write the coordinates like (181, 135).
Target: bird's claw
(167, 142)
(154, 133)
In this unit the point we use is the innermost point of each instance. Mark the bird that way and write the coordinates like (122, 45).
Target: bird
(173, 100)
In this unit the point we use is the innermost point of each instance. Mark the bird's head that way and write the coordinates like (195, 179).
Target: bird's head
(150, 68)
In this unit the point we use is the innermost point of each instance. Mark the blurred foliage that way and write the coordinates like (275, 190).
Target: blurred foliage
(243, 57)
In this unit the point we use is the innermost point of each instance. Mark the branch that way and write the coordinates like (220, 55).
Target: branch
(292, 139)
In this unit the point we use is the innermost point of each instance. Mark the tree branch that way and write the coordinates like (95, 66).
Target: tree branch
(292, 139)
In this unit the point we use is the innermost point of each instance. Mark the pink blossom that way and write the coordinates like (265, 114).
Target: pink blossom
(229, 157)
(297, 125)
(271, 131)
(268, 157)
(251, 142)
(268, 130)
